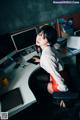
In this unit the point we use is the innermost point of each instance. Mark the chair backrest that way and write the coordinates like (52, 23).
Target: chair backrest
(67, 78)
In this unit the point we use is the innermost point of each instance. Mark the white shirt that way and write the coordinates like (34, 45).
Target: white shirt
(50, 62)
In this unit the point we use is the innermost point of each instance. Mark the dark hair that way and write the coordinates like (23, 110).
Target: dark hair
(50, 33)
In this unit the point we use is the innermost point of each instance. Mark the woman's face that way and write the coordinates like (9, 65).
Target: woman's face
(41, 40)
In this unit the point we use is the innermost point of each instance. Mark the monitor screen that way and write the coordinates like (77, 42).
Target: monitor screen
(73, 42)
(24, 39)
(6, 46)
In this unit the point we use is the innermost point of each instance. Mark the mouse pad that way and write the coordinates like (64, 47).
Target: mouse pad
(11, 99)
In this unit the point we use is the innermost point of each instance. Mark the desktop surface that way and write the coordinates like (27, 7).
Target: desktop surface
(19, 78)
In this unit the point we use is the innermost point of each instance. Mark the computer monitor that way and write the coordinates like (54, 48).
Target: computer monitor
(73, 42)
(24, 39)
(7, 48)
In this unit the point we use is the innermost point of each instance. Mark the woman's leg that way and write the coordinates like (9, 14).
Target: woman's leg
(38, 83)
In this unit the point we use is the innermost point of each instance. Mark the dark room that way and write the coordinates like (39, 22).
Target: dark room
(40, 59)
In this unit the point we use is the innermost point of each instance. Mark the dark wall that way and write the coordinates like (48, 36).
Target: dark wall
(18, 14)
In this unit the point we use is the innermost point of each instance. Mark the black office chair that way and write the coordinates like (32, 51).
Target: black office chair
(70, 98)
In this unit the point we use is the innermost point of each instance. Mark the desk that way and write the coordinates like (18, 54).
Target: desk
(20, 79)
(20, 76)
(67, 52)
(68, 55)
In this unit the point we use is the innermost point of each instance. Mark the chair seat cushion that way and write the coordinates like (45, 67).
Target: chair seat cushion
(69, 95)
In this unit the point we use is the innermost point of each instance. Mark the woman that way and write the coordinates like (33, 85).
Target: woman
(49, 61)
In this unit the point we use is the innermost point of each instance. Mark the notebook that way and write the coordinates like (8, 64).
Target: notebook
(11, 99)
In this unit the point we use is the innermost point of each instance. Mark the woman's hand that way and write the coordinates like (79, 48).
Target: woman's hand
(36, 59)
